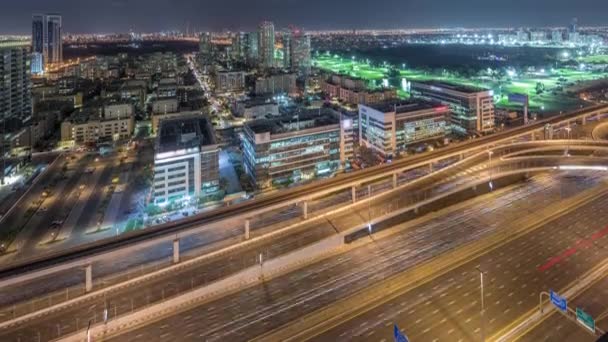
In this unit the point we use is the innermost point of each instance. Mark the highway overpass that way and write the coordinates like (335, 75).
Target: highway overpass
(84, 255)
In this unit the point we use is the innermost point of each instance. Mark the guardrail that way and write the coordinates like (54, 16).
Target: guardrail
(81, 255)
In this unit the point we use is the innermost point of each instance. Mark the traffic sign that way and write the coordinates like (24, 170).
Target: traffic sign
(519, 98)
(399, 336)
(585, 319)
(559, 302)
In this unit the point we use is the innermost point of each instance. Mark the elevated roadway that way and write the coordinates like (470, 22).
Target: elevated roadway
(85, 254)
(470, 168)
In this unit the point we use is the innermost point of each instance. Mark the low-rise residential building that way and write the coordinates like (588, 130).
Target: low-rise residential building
(165, 106)
(472, 108)
(391, 127)
(89, 126)
(284, 83)
(118, 110)
(186, 160)
(226, 81)
(295, 148)
(256, 108)
(354, 90)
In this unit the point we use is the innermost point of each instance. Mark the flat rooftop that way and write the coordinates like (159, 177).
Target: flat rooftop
(404, 106)
(463, 88)
(294, 122)
(184, 132)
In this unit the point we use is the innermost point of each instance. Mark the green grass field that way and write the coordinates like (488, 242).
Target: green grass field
(552, 99)
(597, 59)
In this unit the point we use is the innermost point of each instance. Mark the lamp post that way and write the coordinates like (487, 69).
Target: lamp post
(490, 153)
(483, 338)
(568, 129)
(369, 213)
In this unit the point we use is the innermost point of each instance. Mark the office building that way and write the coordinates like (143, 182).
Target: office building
(226, 81)
(472, 108)
(281, 83)
(266, 41)
(295, 148)
(47, 44)
(186, 160)
(15, 87)
(392, 127)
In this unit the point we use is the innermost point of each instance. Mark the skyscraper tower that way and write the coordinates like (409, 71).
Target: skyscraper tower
(573, 25)
(47, 44)
(300, 52)
(287, 43)
(15, 89)
(252, 48)
(266, 45)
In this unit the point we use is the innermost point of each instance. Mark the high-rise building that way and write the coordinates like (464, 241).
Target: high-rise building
(252, 48)
(204, 46)
(266, 43)
(47, 44)
(287, 44)
(556, 37)
(15, 87)
(239, 46)
(573, 25)
(472, 107)
(300, 53)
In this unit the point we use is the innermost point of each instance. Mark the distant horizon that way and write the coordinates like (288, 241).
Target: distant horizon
(94, 16)
(25, 34)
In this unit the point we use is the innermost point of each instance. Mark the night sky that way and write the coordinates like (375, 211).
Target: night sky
(155, 15)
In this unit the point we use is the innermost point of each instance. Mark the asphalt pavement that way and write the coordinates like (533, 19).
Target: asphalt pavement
(259, 309)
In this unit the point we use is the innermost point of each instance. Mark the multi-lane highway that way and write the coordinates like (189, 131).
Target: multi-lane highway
(259, 309)
(214, 269)
(314, 231)
(559, 328)
(268, 201)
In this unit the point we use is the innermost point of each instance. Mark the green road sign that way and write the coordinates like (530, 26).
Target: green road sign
(585, 319)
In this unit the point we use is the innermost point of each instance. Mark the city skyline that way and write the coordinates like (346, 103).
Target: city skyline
(158, 15)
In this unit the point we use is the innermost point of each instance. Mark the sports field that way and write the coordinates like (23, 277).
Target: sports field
(547, 89)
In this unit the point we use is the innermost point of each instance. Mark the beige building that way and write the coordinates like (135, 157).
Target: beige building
(84, 129)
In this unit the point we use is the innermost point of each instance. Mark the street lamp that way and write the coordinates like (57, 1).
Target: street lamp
(369, 214)
(483, 338)
(568, 129)
(490, 153)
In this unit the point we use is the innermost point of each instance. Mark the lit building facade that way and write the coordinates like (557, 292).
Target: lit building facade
(229, 81)
(47, 43)
(88, 128)
(292, 149)
(472, 109)
(393, 126)
(15, 85)
(276, 84)
(300, 53)
(186, 160)
(266, 41)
